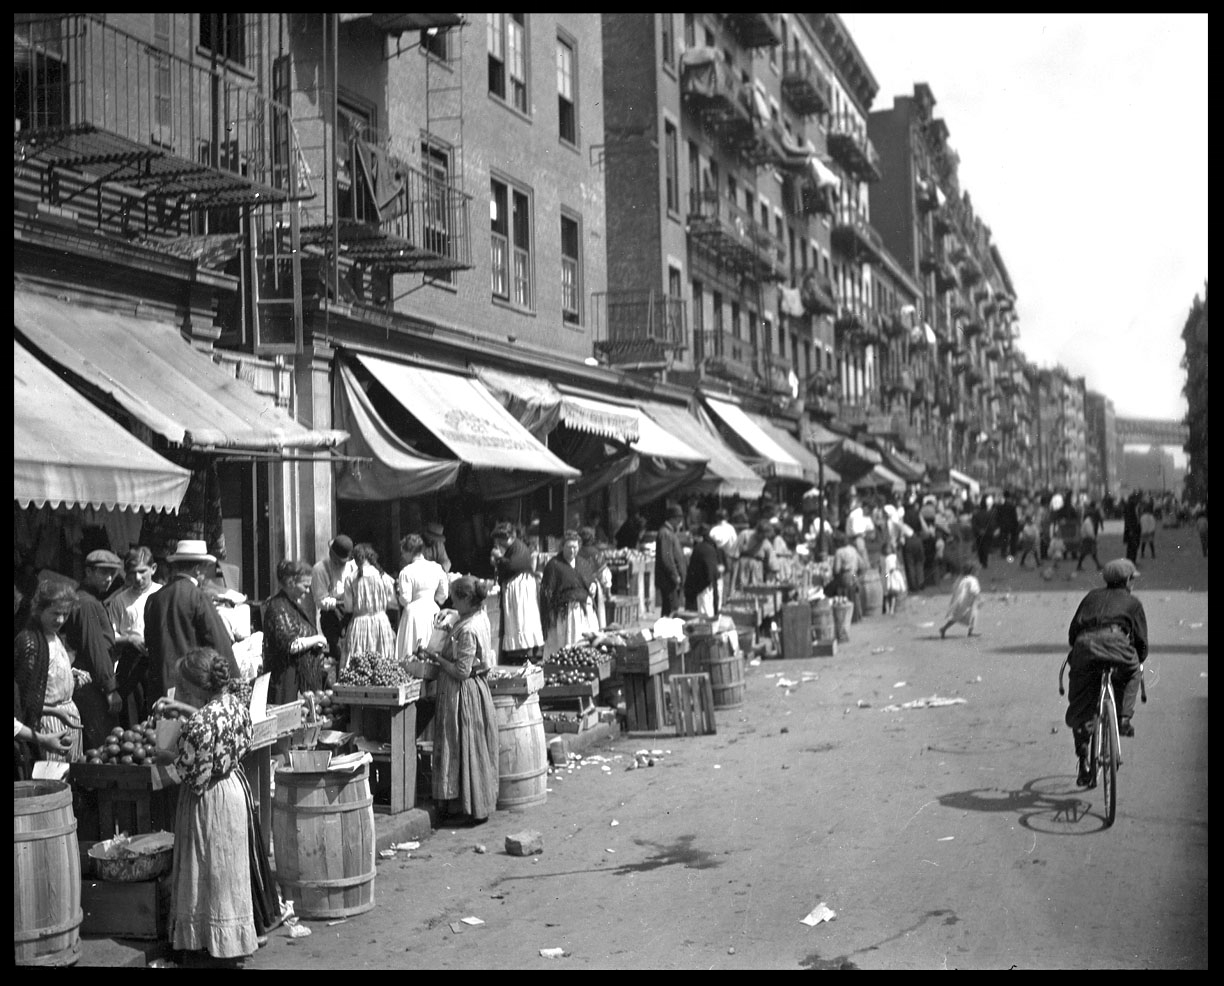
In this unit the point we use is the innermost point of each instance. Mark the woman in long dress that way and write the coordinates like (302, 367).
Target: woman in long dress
(293, 649)
(213, 905)
(521, 634)
(422, 588)
(566, 591)
(366, 598)
(465, 721)
(42, 669)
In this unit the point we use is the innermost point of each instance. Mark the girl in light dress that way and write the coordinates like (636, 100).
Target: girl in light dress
(892, 578)
(422, 588)
(367, 597)
(966, 594)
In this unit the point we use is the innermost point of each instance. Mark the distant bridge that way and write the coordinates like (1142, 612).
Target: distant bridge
(1150, 431)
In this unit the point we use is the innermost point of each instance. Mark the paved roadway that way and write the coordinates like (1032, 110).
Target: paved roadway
(943, 838)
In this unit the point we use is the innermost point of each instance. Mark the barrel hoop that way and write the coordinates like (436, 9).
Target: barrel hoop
(42, 834)
(34, 934)
(41, 805)
(326, 809)
(348, 881)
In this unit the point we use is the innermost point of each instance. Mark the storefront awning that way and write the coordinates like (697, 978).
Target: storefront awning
(911, 472)
(159, 379)
(767, 457)
(461, 413)
(811, 464)
(725, 474)
(600, 418)
(878, 476)
(67, 451)
(657, 441)
(540, 407)
(968, 482)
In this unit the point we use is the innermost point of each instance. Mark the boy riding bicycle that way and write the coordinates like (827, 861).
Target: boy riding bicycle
(1109, 629)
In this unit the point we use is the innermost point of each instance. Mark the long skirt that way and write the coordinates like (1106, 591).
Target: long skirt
(53, 724)
(575, 620)
(370, 633)
(465, 745)
(415, 626)
(212, 906)
(520, 614)
(265, 898)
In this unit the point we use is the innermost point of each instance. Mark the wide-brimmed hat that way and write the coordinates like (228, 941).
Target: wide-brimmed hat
(434, 531)
(341, 546)
(191, 551)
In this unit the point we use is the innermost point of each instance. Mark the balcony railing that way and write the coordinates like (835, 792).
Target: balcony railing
(727, 356)
(712, 88)
(638, 326)
(734, 237)
(817, 294)
(850, 323)
(754, 30)
(91, 99)
(849, 144)
(804, 86)
(854, 236)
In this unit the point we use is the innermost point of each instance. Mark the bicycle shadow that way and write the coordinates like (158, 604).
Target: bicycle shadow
(1049, 805)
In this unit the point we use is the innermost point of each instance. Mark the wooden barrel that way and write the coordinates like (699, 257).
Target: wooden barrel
(46, 875)
(842, 614)
(726, 671)
(871, 592)
(323, 841)
(822, 620)
(522, 753)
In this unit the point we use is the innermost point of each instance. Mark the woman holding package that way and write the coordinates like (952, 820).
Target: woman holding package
(293, 649)
(465, 721)
(42, 669)
(422, 587)
(213, 907)
(566, 591)
(366, 599)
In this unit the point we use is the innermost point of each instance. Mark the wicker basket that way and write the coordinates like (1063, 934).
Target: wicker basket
(134, 869)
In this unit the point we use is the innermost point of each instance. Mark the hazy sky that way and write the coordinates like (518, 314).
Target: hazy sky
(1083, 144)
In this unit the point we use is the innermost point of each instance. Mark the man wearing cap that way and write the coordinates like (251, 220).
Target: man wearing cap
(1109, 629)
(182, 617)
(670, 565)
(90, 636)
(328, 580)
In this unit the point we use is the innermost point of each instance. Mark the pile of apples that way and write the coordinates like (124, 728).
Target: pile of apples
(126, 746)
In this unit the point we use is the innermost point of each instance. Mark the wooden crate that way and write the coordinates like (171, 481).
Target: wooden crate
(281, 720)
(646, 658)
(390, 736)
(584, 689)
(126, 910)
(528, 683)
(624, 611)
(692, 704)
(132, 798)
(678, 655)
(425, 670)
(576, 722)
(645, 706)
(603, 663)
(392, 695)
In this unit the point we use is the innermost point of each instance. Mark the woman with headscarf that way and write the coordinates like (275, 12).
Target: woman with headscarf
(521, 637)
(566, 590)
(422, 588)
(466, 744)
(366, 599)
(293, 649)
(703, 573)
(590, 562)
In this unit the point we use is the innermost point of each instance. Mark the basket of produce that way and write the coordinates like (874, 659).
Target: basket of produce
(586, 658)
(526, 679)
(133, 859)
(375, 679)
(422, 666)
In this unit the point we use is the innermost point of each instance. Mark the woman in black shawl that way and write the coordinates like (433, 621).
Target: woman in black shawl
(566, 589)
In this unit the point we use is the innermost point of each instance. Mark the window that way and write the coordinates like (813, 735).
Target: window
(508, 59)
(669, 41)
(435, 162)
(161, 70)
(225, 35)
(694, 174)
(718, 312)
(732, 189)
(735, 319)
(698, 321)
(675, 282)
(567, 115)
(671, 153)
(749, 200)
(690, 31)
(510, 228)
(571, 272)
(436, 43)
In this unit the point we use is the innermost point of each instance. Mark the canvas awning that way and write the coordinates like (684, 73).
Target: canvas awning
(881, 475)
(766, 456)
(911, 472)
(725, 473)
(540, 406)
(601, 418)
(789, 443)
(157, 377)
(68, 451)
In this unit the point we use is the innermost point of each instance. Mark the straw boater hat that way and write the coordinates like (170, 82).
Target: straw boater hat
(191, 551)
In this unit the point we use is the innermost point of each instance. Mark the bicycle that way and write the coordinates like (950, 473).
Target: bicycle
(1105, 746)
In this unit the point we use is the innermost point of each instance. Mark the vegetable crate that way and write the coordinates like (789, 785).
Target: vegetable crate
(645, 702)
(678, 656)
(585, 689)
(133, 798)
(650, 657)
(281, 720)
(390, 695)
(624, 611)
(603, 663)
(527, 683)
(126, 910)
(571, 722)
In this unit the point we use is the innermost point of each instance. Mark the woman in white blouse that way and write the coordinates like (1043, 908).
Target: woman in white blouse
(422, 588)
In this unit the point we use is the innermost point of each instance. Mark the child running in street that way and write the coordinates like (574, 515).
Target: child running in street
(966, 595)
(892, 578)
(1028, 541)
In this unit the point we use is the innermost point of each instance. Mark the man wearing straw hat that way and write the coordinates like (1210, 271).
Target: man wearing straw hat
(181, 617)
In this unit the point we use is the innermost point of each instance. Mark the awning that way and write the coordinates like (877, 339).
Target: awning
(824, 174)
(789, 443)
(657, 441)
(68, 451)
(968, 482)
(725, 474)
(158, 378)
(540, 407)
(600, 418)
(767, 457)
(911, 472)
(881, 475)
(465, 417)
(665, 462)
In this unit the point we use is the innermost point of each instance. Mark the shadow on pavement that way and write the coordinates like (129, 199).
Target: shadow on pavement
(1049, 805)
(1060, 648)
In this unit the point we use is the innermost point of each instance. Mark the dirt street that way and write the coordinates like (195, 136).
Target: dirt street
(943, 837)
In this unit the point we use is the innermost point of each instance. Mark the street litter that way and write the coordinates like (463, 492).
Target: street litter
(822, 912)
(298, 931)
(946, 838)
(614, 822)
(332, 924)
(882, 650)
(932, 702)
(553, 953)
(609, 850)
(1202, 674)
(776, 674)
(1196, 626)
(472, 921)
(754, 662)
(456, 927)
(405, 846)
(924, 625)
(482, 849)
(386, 854)
(718, 766)
(809, 676)
(900, 684)
(786, 683)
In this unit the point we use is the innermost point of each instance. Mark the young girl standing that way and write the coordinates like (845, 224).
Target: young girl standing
(966, 594)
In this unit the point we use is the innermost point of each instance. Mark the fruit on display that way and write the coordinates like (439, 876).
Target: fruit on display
(366, 668)
(129, 746)
(575, 665)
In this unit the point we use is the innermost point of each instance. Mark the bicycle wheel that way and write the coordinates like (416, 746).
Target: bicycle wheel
(1094, 750)
(1108, 730)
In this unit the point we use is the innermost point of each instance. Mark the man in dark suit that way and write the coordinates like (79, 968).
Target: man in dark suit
(91, 637)
(181, 617)
(670, 565)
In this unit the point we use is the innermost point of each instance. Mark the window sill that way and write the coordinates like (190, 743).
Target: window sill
(493, 97)
(511, 306)
(569, 146)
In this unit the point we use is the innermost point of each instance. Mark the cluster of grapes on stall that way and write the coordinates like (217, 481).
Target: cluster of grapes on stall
(368, 668)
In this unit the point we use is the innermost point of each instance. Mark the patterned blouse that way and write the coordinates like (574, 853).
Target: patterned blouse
(213, 742)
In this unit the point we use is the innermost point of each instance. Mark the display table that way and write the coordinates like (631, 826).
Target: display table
(384, 721)
(771, 594)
